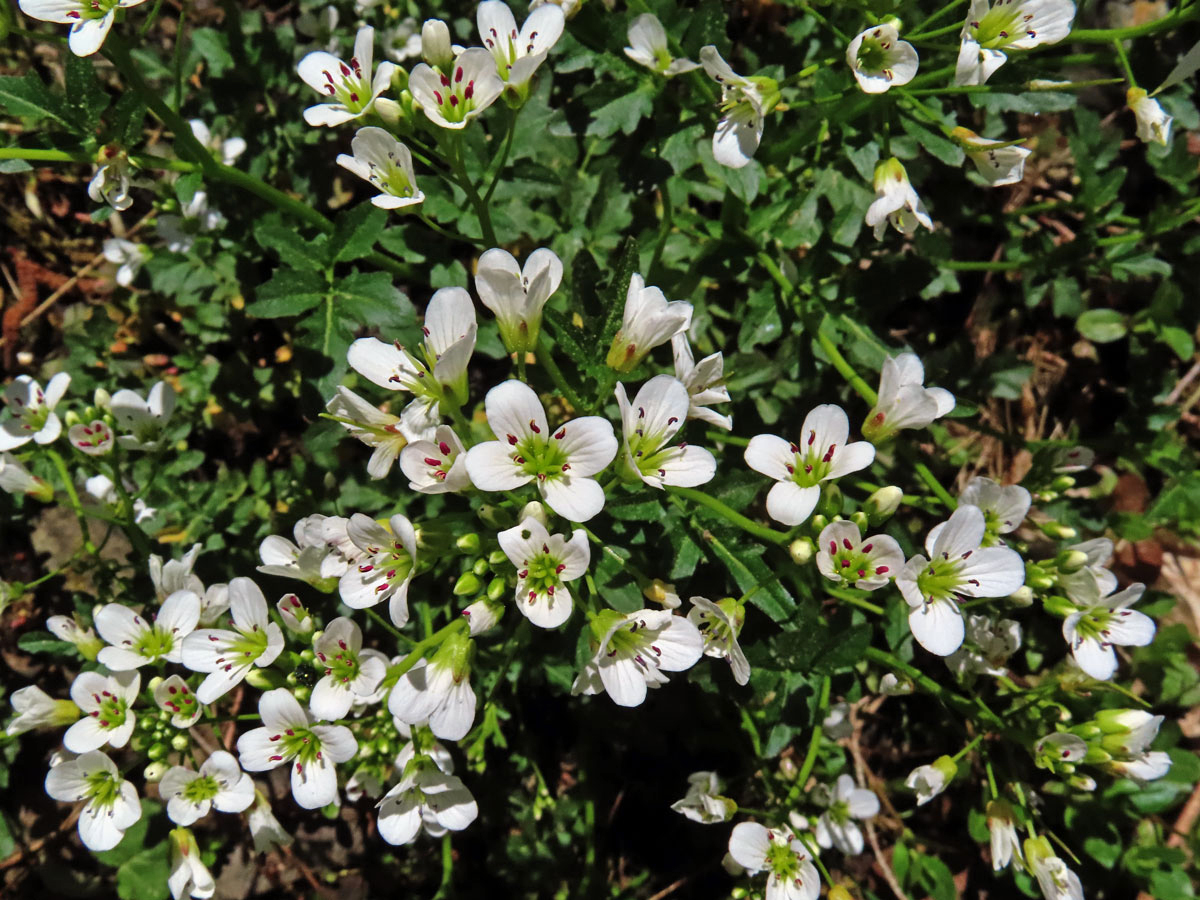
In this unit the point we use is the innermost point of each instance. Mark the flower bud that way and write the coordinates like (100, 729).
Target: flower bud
(1036, 577)
(788, 770)
(483, 615)
(1058, 531)
(1021, 597)
(1070, 561)
(860, 519)
(154, 772)
(830, 503)
(1058, 606)
(101, 398)
(1082, 782)
(468, 543)
(801, 551)
(658, 591)
(534, 510)
(497, 588)
(496, 557)
(467, 585)
(1062, 483)
(817, 523)
(435, 44)
(180, 741)
(837, 892)
(264, 679)
(295, 617)
(157, 751)
(882, 504)
(481, 567)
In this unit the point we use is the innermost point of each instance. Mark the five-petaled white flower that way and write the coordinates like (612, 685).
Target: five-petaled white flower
(379, 158)
(958, 566)
(648, 424)
(438, 690)
(648, 47)
(195, 217)
(90, 20)
(845, 802)
(189, 876)
(310, 750)
(112, 803)
(310, 559)
(229, 656)
(868, 564)
(895, 201)
(1102, 620)
(388, 562)
(451, 99)
(350, 85)
(791, 874)
(350, 671)
(987, 647)
(562, 461)
(904, 401)
(35, 708)
(220, 784)
(999, 162)
(517, 294)
(437, 466)
(744, 105)
(880, 60)
(16, 479)
(999, 25)
(136, 641)
(703, 802)
(173, 695)
(143, 420)
(92, 439)
(648, 320)
(704, 380)
(633, 650)
(227, 149)
(127, 256)
(1153, 124)
(33, 417)
(110, 183)
(387, 434)
(545, 562)
(425, 796)
(720, 624)
(822, 454)
(518, 54)
(1004, 506)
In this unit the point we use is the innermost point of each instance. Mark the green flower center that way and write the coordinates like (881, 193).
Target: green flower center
(103, 788)
(342, 665)
(299, 744)
(456, 99)
(351, 87)
(839, 812)
(112, 711)
(93, 9)
(155, 642)
(872, 53)
(810, 466)
(541, 574)
(782, 861)
(940, 579)
(539, 456)
(200, 789)
(1002, 25)
(1094, 625)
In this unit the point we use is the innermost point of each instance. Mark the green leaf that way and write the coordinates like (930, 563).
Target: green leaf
(292, 249)
(42, 642)
(1184, 69)
(26, 96)
(212, 47)
(936, 144)
(1178, 340)
(1102, 325)
(84, 96)
(125, 123)
(144, 875)
(356, 232)
(622, 114)
(14, 166)
(371, 298)
(289, 293)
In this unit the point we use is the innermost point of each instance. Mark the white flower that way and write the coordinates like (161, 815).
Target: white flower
(483, 615)
(649, 320)
(838, 724)
(33, 417)
(518, 54)
(998, 163)
(1153, 124)
(296, 618)
(436, 466)
(720, 624)
(107, 705)
(896, 201)
(426, 796)
(175, 574)
(173, 695)
(991, 28)
(229, 656)
(37, 709)
(349, 670)
(703, 802)
(1004, 507)
(987, 648)
(791, 874)
(744, 104)
(403, 41)
(101, 489)
(880, 60)
(891, 686)
(144, 420)
(350, 85)
(929, 781)
(227, 150)
(821, 455)
(516, 295)
(306, 559)
(195, 218)
(648, 47)
(958, 566)
(1060, 751)
(112, 803)
(844, 555)
(1102, 621)
(136, 641)
(545, 562)
(1002, 833)
(904, 401)
(633, 650)
(265, 829)
(1128, 734)
(389, 560)
(93, 439)
(385, 162)
(16, 479)
(388, 434)
(1082, 583)
(110, 184)
(561, 461)
(128, 256)
(90, 20)
(310, 750)
(189, 876)
(220, 784)
(436, 48)
(846, 802)
(1054, 878)
(468, 87)
(704, 380)
(648, 425)
(438, 690)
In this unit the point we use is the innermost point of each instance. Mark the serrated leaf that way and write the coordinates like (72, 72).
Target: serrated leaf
(26, 96)
(371, 298)
(290, 293)
(84, 96)
(292, 249)
(622, 114)
(355, 232)
(212, 47)
(936, 144)
(144, 875)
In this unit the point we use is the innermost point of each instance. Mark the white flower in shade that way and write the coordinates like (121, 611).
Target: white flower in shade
(929, 781)
(1153, 124)
(311, 751)
(998, 162)
(1004, 507)
(561, 461)
(987, 648)
(1102, 621)
(438, 690)
(173, 695)
(999, 25)
(633, 650)
(389, 559)
(110, 184)
(791, 874)
(136, 641)
(304, 560)
(838, 724)
(296, 618)
(648, 425)
(349, 670)
(403, 41)
(1002, 835)
(1060, 752)
(65, 628)
(822, 454)
(545, 563)
(112, 803)
(845, 802)
(1128, 734)
(265, 830)
(229, 656)
(1056, 881)
(648, 47)
(143, 420)
(483, 615)
(425, 796)
(451, 99)
(379, 158)
(744, 105)
(891, 686)
(880, 60)
(101, 489)
(90, 20)
(895, 201)
(195, 218)
(904, 401)
(658, 591)
(704, 380)
(33, 417)
(35, 708)
(93, 439)
(516, 295)
(175, 574)
(350, 85)
(189, 876)
(649, 320)
(518, 53)
(703, 802)
(16, 479)
(720, 624)
(127, 256)
(958, 566)
(220, 784)
(107, 705)
(388, 434)
(437, 466)
(227, 150)
(844, 555)
(1081, 583)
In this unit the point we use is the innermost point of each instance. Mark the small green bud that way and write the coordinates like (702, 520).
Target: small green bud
(497, 588)
(496, 557)
(1070, 561)
(1037, 849)
(154, 772)
(180, 741)
(860, 519)
(1037, 578)
(157, 751)
(788, 770)
(801, 551)
(831, 500)
(266, 679)
(71, 418)
(1058, 531)
(468, 543)
(145, 723)
(1021, 597)
(1058, 606)
(1062, 483)
(467, 585)
(837, 892)
(882, 504)
(481, 567)
(817, 523)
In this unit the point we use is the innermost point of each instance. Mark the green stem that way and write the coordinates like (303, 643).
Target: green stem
(546, 358)
(749, 727)
(940, 14)
(844, 368)
(498, 166)
(967, 749)
(69, 487)
(389, 627)
(930, 35)
(79, 156)
(458, 162)
(981, 265)
(934, 485)
(847, 597)
(417, 653)
(1119, 46)
(730, 515)
(447, 868)
(955, 701)
(814, 743)
(1105, 35)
